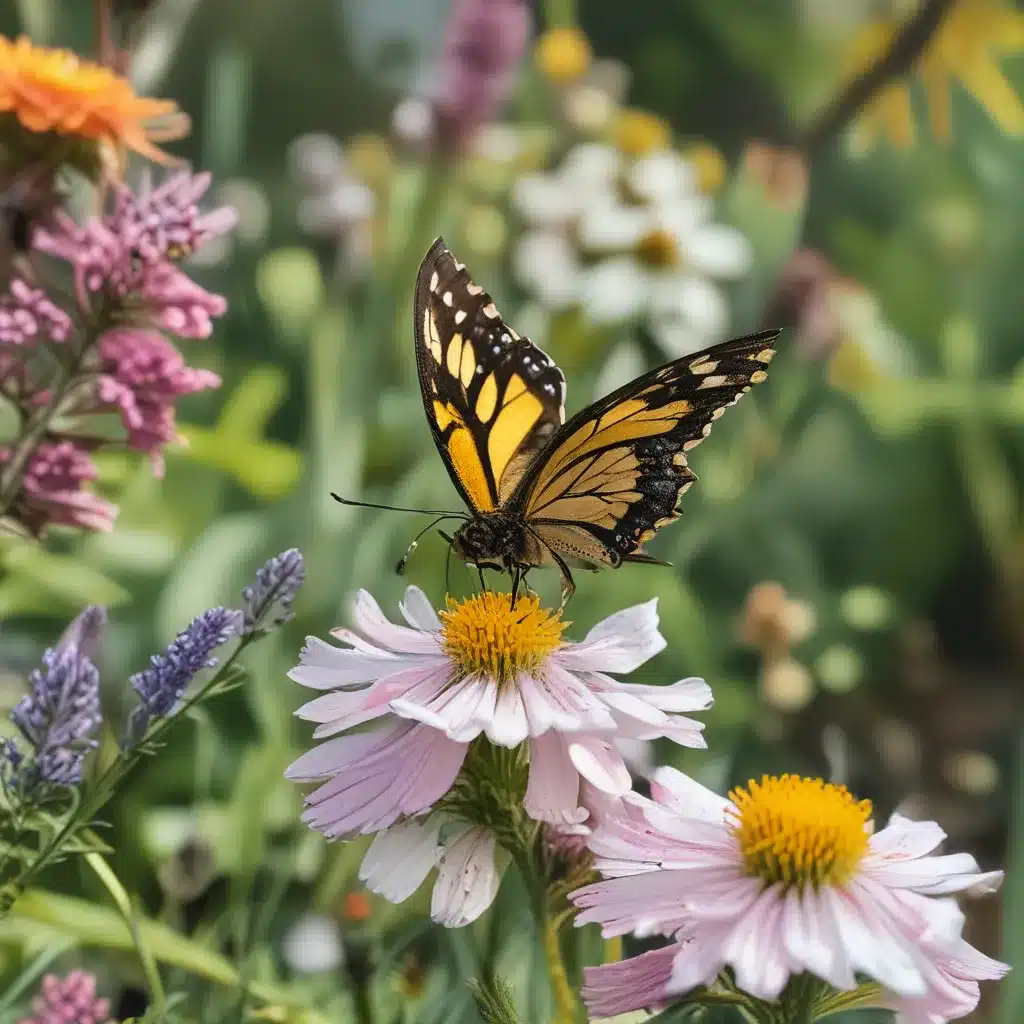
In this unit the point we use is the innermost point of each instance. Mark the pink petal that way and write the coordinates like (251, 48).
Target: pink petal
(620, 643)
(600, 763)
(905, 839)
(678, 792)
(633, 984)
(375, 626)
(509, 726)
(325, 667)
(756, 950)
(552, 793)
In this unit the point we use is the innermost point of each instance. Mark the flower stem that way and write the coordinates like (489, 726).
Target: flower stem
(566, 1004)
(909, 43)
(157, 996)
(560, 13)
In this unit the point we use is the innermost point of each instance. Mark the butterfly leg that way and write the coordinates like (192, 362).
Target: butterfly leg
(568, 585)
(517, 575)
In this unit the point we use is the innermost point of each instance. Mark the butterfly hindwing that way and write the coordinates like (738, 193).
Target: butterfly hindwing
(493, 398)
(614, 474)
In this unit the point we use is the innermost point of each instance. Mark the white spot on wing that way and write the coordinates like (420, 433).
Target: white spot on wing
(434, 281)
(447, 298)
(490, 310)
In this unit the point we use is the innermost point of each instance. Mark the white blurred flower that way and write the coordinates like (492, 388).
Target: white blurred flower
(313, 945)
(629, 241)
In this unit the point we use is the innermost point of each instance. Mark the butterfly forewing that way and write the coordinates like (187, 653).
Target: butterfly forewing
(614, 474)
(493, 398)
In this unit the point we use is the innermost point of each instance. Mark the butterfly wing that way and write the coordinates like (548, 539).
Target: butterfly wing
(614, 474)
(493, 399)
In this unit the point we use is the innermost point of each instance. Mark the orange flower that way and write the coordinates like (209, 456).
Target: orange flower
(51, 90)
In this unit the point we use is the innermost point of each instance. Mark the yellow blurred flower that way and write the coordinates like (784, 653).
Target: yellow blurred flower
(710, 165)
(639, 132)
(966, 47)
(50, 90)
(563, 54)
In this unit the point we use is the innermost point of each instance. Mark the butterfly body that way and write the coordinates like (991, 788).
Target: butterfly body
(541, 491)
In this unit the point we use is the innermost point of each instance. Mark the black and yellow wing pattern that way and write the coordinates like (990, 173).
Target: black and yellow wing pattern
(493, 399)
(613, 475)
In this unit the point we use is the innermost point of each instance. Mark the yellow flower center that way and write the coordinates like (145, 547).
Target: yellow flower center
(710, 165)
(639, 132)
(485, 634)
(658, 248)
(799, 831)
(563, 54)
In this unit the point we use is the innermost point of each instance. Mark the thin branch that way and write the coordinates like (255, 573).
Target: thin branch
(909, 44)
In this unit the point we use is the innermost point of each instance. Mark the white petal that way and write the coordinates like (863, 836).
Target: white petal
(662, 175)
(614, 290)
(467, 879)
(755, 948)
(600, 764)
(676, 338)
(591, 168)
(684, 215)
(620, 643)
(545, 262)
(417, 610)
(508, 726)
(540, 199)
(692, 694)
(400, 857)
(310, 946)
(691, 300)
(613, 227)
(718, 250)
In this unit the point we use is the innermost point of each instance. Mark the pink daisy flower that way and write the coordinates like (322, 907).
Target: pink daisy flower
(480, 669)
(784, 877)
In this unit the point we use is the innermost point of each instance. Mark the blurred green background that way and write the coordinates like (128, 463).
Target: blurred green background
(876, 477)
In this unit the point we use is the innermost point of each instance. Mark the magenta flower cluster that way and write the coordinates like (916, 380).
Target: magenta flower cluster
(70, 999)
(130, 293)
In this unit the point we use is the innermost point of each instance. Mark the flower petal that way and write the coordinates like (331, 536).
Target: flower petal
(552, 793)
(400, 857)
(600, 763)
(417, 610)
(620, 643)
(634, 984)
(467, 878)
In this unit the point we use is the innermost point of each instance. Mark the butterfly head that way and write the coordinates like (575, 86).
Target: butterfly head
(493, 538)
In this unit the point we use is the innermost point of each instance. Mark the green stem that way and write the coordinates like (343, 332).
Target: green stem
(566, 1004)
(154, 984)
(560, 13)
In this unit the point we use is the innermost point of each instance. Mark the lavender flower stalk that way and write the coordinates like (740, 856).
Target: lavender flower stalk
(59, 715)
(161, 685)
(268, 601)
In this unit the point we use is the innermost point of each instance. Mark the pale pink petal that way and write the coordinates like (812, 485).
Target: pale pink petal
(552, 793)
(556, 699)
(691, 694)
(872, 949)
(905, 839)
(620, 643)
(375, 626)
(467, 878)
(417, 610)
(811, 940)
(755, 947)
(600, 763)
(460, 711)
(634, 984)
(404, 772)
(400, 858)
(325, 667)
(936, 876)
(509, 725)
(678, 792)
(699, 959)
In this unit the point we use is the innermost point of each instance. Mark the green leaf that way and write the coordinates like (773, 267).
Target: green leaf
(41, 914)
(1011, 994)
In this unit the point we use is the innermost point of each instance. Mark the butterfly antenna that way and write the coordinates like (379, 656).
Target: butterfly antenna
(404, 560)
(399, 508)
(447, 569)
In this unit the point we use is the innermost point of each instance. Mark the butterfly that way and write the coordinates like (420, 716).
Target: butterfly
(587, 493)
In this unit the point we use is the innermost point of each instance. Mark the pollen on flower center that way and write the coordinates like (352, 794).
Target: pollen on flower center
(486, 634)
(799, 831)
(658, 248)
